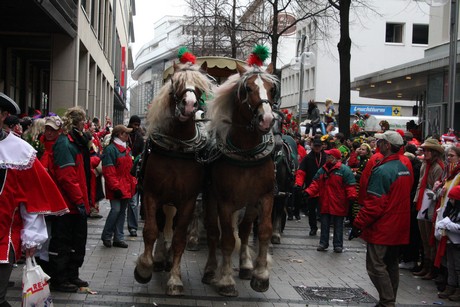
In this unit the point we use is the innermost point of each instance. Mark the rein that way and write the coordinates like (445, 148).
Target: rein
(179, 106)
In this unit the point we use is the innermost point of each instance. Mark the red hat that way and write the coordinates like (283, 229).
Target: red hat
(454, 193)
(334, 152)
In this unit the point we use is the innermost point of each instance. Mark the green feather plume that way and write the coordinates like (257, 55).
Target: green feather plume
(181, 51)
(261, 51)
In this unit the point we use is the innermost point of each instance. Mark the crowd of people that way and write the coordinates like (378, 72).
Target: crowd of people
(399, 194)
(52, 169)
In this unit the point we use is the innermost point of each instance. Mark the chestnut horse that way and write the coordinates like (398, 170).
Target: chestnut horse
(171, 173)
(242, 177)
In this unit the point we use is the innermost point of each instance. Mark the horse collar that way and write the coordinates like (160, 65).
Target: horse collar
(248, 156)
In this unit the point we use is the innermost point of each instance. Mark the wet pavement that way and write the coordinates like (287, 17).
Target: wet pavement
(300, 276)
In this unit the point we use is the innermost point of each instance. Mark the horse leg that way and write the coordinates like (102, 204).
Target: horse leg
(260, 278)
(144, 263)
(276, 219)
(226, 283)
(174, 285)
(194, 228)
(246, 265)
(212, 238)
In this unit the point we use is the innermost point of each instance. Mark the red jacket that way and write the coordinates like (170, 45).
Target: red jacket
(116, 168)
(335, 188)
(385, 215)
(72, 172)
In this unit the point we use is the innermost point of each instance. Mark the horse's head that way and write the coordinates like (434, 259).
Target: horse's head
(187, 86)
(257, 90)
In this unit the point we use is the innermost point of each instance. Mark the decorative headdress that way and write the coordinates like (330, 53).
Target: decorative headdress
(185, 56)
(258, 55)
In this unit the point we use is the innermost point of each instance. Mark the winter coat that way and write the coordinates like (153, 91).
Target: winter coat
(116, 168)
(308, 168)
(385, 216)
(335, 188)
(72, 171)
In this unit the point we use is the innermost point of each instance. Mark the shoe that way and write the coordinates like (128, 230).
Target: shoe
(107, 243)
(407, 265)
(338, 249)
(79, 283)
(321, 248)
(297, 217)
(121, 244)
(95, 216)
(450, 290)
(64, 287)
(133, 233)
(290, 218)
(313, 232)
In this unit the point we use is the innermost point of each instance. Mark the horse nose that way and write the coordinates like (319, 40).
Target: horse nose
(266, 121)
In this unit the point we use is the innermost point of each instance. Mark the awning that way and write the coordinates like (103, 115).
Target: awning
(218, 67)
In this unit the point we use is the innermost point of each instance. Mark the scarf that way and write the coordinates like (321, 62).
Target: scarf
(119, 142)
(424, 181)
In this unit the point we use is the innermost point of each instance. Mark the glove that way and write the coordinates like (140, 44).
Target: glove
(354, 233)
(117, 194)
(452, 226)
(442, 224)
(82, 210)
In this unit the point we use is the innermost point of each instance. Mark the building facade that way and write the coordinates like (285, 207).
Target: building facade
(58, 54)
(385, 34)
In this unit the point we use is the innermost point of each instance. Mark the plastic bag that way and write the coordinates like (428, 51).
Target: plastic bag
(428, 205)
(35, 287)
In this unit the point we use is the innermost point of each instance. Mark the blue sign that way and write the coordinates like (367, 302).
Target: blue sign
(371, 110)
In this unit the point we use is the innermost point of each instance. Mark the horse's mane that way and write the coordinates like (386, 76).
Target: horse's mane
(160, 113)
(226, 95)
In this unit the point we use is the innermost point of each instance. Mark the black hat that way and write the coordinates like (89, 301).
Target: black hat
(8, 104)
(317, 142)
(134, 119)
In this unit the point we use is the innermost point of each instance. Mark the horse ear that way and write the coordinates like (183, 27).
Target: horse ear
(175, 66)
(240, 69)
(269, 68)
(204, 66)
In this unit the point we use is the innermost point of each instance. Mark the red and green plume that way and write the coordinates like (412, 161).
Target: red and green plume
(185, 56)
(258, 55)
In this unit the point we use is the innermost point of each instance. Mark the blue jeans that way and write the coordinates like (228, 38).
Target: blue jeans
(115, 220)
(337, 222)
(133, 212)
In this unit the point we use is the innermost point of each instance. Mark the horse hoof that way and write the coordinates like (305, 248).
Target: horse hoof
(260, 285)
(228, 290)
(207, 278)
(245, 274)
(276, 240)
(175, 290)
(158, 266)
(140, 279)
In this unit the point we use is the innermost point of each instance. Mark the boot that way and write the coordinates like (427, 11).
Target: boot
(431, 272)
(456, 296)
(450, 290)
(424, 269)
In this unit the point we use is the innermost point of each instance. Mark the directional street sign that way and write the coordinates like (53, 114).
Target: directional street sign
(396, 111)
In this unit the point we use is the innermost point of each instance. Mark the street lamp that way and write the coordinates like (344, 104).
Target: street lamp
(304, 60)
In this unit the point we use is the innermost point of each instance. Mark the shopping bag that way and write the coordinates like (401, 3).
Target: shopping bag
(428, 204)
(35, 287)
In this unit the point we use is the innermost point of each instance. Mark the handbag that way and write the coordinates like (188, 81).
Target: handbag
(35, 287)
(428, 204)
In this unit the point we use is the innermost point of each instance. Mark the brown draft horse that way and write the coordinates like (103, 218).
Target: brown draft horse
(172, 175)
(242, 177)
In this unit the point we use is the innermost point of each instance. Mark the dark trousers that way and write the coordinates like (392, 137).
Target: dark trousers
(382, 265)
(5, 273)
(67, 247)
(313, 212)
(412, 251)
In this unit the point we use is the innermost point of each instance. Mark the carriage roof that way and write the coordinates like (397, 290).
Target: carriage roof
(218, 67)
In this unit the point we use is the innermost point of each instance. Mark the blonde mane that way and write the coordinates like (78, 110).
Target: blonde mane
(159, 115)
(225, 96)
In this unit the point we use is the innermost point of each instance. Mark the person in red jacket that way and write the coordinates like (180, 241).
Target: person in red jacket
(334, 183)
(71, 168)
(384, 220)
(119, 185)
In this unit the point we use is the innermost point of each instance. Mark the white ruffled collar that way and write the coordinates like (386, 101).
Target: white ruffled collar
(119, 142)
(16, 153)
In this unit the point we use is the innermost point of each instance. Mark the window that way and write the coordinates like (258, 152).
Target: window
(420, 34)
(394, 33)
